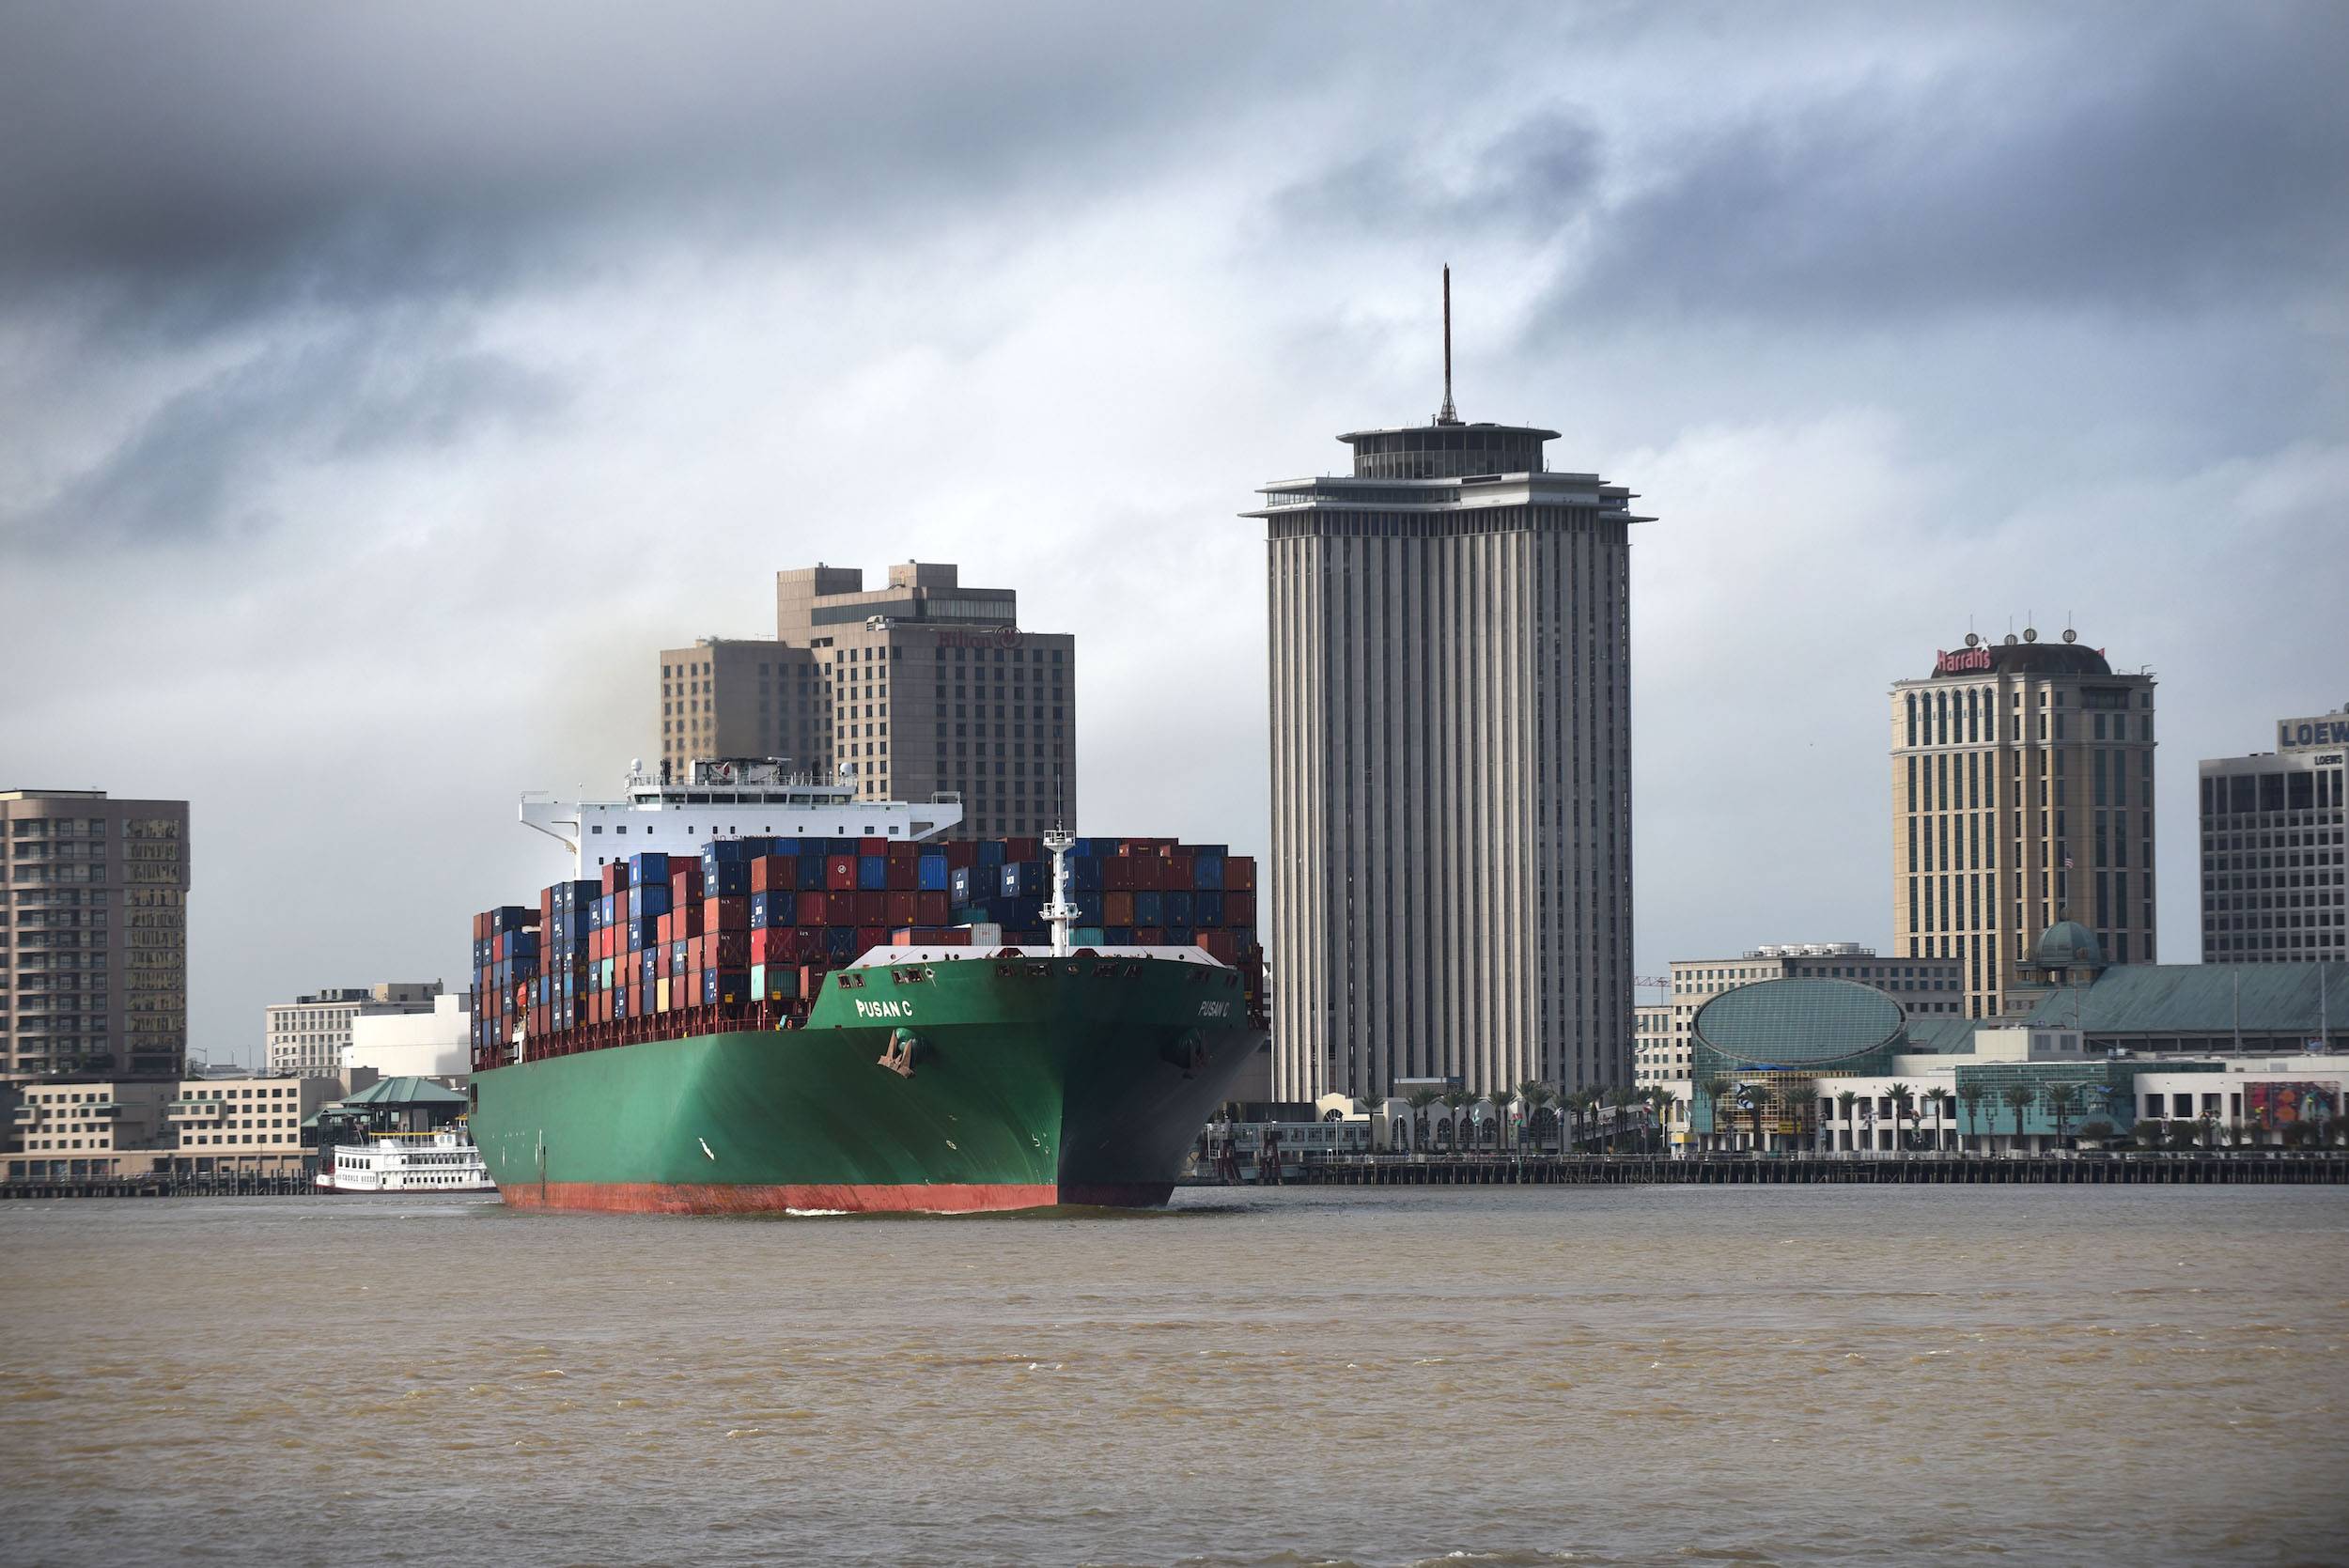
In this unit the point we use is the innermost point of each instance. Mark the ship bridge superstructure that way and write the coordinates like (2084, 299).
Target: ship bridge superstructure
(728, 798)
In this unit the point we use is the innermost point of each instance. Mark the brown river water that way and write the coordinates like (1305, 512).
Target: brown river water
(1658, 1376)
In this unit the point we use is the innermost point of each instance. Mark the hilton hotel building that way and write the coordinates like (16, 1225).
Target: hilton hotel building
(2022, 795)
(1450, 879)
(2272, 851)
(923, 686)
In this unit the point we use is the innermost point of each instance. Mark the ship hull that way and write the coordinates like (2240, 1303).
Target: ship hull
(1031, 1083)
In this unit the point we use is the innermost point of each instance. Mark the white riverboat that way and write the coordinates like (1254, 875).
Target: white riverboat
(444, 1161)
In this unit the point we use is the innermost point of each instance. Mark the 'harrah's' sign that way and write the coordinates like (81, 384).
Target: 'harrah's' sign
(1006, 637)
(1963, 660)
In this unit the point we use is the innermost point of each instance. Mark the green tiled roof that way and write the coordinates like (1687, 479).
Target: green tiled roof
(405, 1091)
(1801, 1021)
(2199, 999)
(1943, 1036)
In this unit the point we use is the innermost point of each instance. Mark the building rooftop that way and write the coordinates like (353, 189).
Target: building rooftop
(2199, 999)
(1802, 1022)
(405, 1091)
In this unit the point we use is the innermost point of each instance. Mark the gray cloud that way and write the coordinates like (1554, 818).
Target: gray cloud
(197, 469)
(2186, 163)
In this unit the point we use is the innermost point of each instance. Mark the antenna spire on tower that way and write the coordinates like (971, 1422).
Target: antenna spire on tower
(1447, 416)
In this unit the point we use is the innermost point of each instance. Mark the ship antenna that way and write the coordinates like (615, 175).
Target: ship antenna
(1448, 415)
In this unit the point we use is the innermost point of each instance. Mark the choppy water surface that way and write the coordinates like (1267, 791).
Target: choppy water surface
(1642, 1375)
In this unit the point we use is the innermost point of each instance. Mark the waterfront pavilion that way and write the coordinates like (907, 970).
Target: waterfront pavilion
(1776, 1041)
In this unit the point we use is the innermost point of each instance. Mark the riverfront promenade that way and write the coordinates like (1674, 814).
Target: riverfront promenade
(2220, 1167)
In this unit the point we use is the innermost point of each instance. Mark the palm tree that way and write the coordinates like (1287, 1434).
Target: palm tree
(1659, 1103)
(2062, 1100)
(1419, 1100)
(1621, 1100)
(1585, 1101)
(1939, 1099)
(1537, 1095)
(1716, 1090)
(1971, 1095)
(1501, 1099)
(1790, 1100)
(1843, 1103)
(1369, 1105)
(1753, 1098)
(1904, 1103)
(2018, 1098)
(1455, 1101)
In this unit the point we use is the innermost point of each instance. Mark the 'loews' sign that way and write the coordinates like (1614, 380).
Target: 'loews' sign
(2301, 735)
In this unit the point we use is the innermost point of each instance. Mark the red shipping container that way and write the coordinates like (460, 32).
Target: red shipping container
(840, 873)
(733, 950)
(726, 914)
(1024, 849)
(811, 909)
(872, 847)
(807, 944)
(685, 887)
(931, 909)
(1239, 908)
(901, 875)
(840, 909)
(907, 852)
(1240, 875)
(810, 979)
(1180, 871)
(1220, 945)
(1117, 874)
(665, 929)
(959, 852)
(898, 908)
(1118, 908)
(871, 937)
(1149, 874)
(872, 909)
(1150, 935)
(692, 920)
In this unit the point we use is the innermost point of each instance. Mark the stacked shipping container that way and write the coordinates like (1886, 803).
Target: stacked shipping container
(753, 926)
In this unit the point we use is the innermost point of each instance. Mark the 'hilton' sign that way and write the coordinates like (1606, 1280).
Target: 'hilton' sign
(1006, 638)
(1962, 660)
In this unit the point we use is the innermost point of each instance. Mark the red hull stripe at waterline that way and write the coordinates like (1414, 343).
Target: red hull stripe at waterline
(936, 1198)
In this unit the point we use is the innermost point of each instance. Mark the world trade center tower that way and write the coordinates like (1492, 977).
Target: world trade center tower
(1450, 887)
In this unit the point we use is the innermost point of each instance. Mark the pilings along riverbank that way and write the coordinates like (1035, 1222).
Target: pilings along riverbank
(2211, 1168)
(238, 1186)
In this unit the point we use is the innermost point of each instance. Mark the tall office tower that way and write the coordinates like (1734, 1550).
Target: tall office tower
(1450, 890)
(2022, 795)
(93, 934)
(2272, 854)
(743, 697)
(923, 686)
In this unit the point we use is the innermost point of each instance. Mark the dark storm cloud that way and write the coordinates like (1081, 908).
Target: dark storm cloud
(191, 165)
(1534, 177)
(2186, 160)
(196, 470)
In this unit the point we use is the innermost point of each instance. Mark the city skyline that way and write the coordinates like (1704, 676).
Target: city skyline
(364, 489)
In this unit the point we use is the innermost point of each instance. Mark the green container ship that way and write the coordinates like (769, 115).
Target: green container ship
(918, 1082)
(677, 1047)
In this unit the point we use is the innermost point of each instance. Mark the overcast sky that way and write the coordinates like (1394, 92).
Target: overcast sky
(383, 385)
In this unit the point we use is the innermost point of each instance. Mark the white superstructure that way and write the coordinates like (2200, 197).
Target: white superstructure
(444, 1161)
(728, 798)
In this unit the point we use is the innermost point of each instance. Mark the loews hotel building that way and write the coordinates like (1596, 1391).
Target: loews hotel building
(1449, 878)
(2022, 795)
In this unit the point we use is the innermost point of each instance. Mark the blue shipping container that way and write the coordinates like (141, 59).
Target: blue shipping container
(872, 873)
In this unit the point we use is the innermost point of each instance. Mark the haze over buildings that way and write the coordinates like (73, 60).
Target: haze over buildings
(425, 361)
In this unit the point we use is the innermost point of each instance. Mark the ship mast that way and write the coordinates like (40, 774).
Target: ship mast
(1061, 914)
